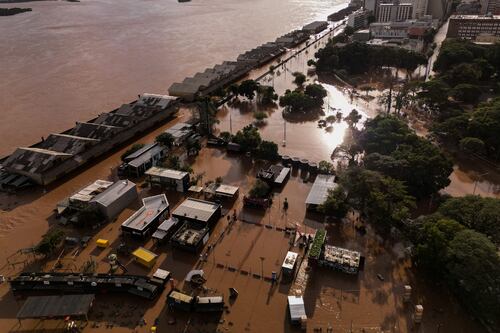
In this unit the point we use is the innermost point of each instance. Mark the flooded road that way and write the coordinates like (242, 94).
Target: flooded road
(65, 62)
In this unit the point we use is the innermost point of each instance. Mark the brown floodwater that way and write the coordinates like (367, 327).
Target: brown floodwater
(65, 62)
(332, 300)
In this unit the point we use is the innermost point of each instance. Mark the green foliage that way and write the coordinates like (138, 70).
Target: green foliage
(50, 242)
(226, 136)
(475, 212)
(172, 162)
(317, 244)
(383, 199)
(248, 138)
(259, 190)
(394, 150)
(353, 118)
(431, 245)
(165, 139)
(464, 259)
(248, 88)
(298, 101)
(267, 95)
(89, 216)
(299, 78)
(358, 58)
(473, 268)
(335, 204)
(259, 115)
(325, 167)
(467, 93)
(267, 150)
(482, 124)
(135, 147)
(472, 146)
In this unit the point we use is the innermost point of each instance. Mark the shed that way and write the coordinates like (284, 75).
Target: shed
(169, 178)
(166, 229)
(203, 213)
(115, 198)
(319, 190)
(144, 221)
(56, 307)
(145, 257)
(289, 263)
(209, 304)
(180, 301)
(296, 309)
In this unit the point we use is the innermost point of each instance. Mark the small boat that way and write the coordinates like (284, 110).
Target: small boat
(183, 0)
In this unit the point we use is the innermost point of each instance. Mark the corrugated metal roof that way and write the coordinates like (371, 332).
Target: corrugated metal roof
(55, 306)
(196, 209)
(296, 307)
(166, 173)
(320, 188)
(114, 192)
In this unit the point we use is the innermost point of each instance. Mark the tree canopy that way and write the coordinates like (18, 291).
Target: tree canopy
(358, 58)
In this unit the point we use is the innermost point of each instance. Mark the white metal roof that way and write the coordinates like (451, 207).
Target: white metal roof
(320, 188)
(226, 190)
(290, 259)
(296, 307)
(152, 207)
(196, 209)
(166, 173)
(114, 192)
(90, 191)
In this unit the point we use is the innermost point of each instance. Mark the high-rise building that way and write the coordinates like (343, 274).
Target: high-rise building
(394, 12)
(371, 5)
(420, 8)
(472, 26)
(439, 9)
(490, 6)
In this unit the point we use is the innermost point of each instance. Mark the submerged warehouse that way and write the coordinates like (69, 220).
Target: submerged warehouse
(59, 154)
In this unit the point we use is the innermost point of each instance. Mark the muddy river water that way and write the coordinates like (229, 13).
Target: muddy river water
(66, 62)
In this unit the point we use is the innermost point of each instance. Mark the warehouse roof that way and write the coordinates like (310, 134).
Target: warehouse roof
(91, 191)
(320, 188)
(40, 307)
(296, 307)
(199, 210)
(166, 173)
(152, 207)
(113, 192)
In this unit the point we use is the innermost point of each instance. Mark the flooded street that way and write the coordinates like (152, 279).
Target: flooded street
(94, 55)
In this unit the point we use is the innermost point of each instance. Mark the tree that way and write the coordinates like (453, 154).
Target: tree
(383, 199)
(472, 146)
(475, 212)
(260, 116)
(165, 139)
(317, 92)
(50, 242)
(267, 150)
(299, 78)
(336, 204)
(259, 190)
(248, 88)
(267, 95)
(226, 136)
(431, 244)
(172, 162)
(89, 216)
(135, 147)
(474, 274)
(467, 93)
(248, 138)
(325, 167)
(434, 93)
(353, 118)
